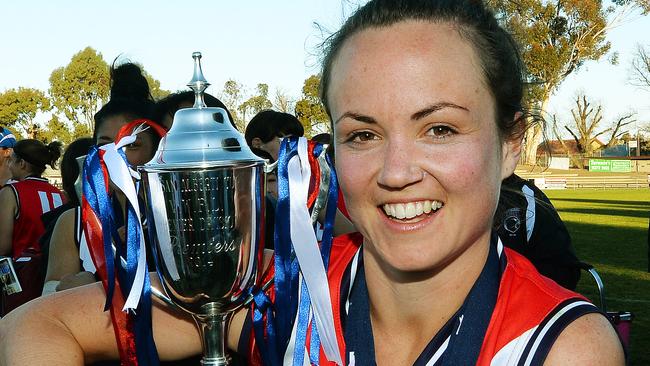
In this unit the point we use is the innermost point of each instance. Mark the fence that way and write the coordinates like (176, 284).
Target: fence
(577, 182)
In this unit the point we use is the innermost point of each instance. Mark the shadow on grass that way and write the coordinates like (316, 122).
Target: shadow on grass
(607, 202)
(605, 211)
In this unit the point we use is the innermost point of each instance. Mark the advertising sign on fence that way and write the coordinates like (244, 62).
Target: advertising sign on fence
(614, 166)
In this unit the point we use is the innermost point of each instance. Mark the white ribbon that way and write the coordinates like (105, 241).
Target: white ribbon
(121, 175)
(308, 253)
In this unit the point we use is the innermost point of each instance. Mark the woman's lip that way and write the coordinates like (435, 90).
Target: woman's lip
(401, 226)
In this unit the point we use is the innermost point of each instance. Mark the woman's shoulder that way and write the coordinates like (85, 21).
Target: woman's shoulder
(535, 319)
(589, 340)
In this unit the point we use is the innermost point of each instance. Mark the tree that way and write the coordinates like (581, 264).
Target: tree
(641, 68)
(18, 107)
(80, 88)
(282, 102)
(56, 129)
(556, 39)
(154, 86)
(587, 119)
(309, 109)
(257, 103)
(231, 96)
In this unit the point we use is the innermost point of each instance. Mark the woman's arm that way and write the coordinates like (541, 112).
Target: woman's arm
(63, 254)
(7, 214)
(71, 328)
(590, 341)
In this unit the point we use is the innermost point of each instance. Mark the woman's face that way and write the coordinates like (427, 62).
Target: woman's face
(137, 153)
(418, 153)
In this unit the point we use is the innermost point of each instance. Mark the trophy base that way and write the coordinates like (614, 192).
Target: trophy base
(216, 361)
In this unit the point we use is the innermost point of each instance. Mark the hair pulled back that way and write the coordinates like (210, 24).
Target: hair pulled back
(173, 102)
(70, 167)
(130, 95)
(500, 59)
(38, 155)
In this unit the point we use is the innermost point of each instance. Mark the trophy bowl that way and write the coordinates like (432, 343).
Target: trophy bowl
(205, 213)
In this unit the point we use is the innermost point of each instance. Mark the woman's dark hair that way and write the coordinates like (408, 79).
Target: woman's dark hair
(130, 96)
(70, 168)
(172, 103)
(500, 58)
(38, 155)
(269, 124)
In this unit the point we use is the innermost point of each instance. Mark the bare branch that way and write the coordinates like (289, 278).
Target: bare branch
(641, 68)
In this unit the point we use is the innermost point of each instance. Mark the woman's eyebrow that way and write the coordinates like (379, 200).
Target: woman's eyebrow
(357, 117)
(434, 108)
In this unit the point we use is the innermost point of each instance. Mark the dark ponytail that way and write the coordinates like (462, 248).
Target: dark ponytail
(38, 155)
(130, 96)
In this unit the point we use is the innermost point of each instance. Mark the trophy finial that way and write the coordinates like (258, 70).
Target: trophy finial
(198, 83)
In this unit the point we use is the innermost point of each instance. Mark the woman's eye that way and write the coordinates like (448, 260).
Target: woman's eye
(441, 131)
(361, 136)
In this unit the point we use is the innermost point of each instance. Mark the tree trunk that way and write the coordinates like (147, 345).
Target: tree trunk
(534, 135)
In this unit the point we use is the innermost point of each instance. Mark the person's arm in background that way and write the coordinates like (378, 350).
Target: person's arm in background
(71, 328)
(8, 209)
(63, 265)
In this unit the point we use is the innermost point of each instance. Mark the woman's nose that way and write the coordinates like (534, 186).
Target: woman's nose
(400, 168)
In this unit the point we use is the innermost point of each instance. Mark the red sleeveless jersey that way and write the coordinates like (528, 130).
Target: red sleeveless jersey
(34, 197)
(530, 312)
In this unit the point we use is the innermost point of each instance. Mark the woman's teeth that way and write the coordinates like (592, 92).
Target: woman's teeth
(412, 209)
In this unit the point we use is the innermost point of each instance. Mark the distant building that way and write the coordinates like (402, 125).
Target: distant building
(555, 147)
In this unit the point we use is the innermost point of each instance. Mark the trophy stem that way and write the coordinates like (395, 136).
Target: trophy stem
(212, 329)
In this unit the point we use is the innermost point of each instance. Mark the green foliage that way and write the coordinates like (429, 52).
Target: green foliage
(231, 96)
(154, 86)
(81, 87)
(309, 109)
(57, 130)
(257, 103)
(18, 107)
(556, 38)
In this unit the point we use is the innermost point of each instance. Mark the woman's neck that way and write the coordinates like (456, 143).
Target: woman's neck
(416, 306)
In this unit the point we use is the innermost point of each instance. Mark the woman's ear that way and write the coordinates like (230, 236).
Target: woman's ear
(512, 146)
(256, 142)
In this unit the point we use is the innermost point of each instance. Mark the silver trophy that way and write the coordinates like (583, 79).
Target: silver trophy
(205, 212)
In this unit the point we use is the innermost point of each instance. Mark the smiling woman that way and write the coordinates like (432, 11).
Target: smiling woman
(425, 96)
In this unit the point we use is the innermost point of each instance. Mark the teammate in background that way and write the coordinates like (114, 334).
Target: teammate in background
(23, 203)
(69, 263)
(265, 130)
(169, 105)
(7, 142)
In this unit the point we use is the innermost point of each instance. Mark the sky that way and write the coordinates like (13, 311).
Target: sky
(252, 41)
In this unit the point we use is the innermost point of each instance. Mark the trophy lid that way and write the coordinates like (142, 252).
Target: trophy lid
(201, 137)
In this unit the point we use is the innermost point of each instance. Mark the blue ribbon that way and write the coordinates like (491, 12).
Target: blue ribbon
(273, 328)
(94, 189)
(286, 265)
(101, 203)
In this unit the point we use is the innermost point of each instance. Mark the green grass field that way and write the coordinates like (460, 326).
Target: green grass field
(609, 229)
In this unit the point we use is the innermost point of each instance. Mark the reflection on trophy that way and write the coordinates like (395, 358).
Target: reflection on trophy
(205, 212)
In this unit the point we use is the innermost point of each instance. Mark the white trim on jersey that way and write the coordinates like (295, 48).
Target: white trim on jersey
(353, 274)
(512, 352)
(548, 325)
(45, 202)
(436, 356)
(57, 200)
